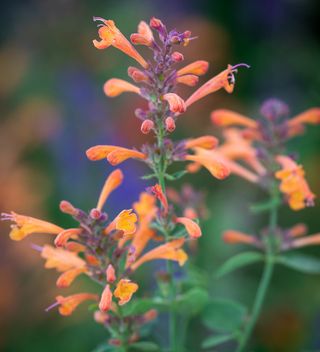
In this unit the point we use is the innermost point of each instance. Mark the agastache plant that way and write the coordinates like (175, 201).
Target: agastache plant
(256, 150)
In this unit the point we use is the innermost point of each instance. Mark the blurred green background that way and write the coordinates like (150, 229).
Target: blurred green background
(53, 108)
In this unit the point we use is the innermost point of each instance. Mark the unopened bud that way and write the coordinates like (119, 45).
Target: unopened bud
(137, 75)
(110, 274)
(170, 124)
(177, 57)
(67, 208)
(95, 214)
(155, 23)
(147, 126)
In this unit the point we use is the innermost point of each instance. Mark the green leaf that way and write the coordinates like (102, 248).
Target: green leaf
(142, 305)
(176, 175)
(300, 262)
(93, 307)
(216, 340)
(148, 177)
(224, 315)
(265, 206)
(192, 302)
(238, 261)
(144, 346)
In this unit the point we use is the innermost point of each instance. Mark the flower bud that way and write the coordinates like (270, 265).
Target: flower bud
(177, 57)
(137, 75)
(147, 126)
(156, 24)
(170, 124)
(110, 274)
(95, 214)
(67, 208)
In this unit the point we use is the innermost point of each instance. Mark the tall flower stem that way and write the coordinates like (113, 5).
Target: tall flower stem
(161, 169)
(265, 279)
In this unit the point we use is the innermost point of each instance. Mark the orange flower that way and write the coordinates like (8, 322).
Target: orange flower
(137, 75)
(293, 183)
(66, 278)
(61, 259)
(306, 241)
(125, 222)
(233, 237)
(169, 251)
(110, 35)
(110, 274)
(297, 230)
(124, 291)
(70, 303)
(198, 68)
(224, 117)
(145, 206)
(310, 116)
(188, 80)
(170, 124)
(211, 162)
(157, 191)
(205, 142)
(176, 103)
(115, 155)
(65, 235)
(192, 227)
(146, 126)
(225, 80)
(113, 181)
(26, 225)
(106, 299)
(144, 35)
(114, 87)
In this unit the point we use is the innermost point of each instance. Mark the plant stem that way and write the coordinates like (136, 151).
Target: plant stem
(264, 282)
(169, 268)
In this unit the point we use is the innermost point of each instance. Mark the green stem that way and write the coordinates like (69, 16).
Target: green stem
(264, 283)
(169, 268)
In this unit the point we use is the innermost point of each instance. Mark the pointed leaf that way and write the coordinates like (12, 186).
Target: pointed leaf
(192, 302)
(300, 262)
(216, 340)
(145, 346)
(239, 261)
(224, 315)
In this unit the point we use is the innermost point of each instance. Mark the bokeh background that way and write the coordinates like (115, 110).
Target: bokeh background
(53, 108)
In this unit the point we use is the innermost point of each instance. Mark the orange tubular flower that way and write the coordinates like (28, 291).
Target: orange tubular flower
(124, 291)
(176, 103)
(110, 35)
(233, 237)
(66, 278)
(298, 230)
(205, 142)
(115, 155)
(113, 181)
(70, 303)
(192, 227)
(198, 68)
(311, 240)
(310, 116)
(224, 117)
(63, 237)
(225, 80)
(26, 225)
(293, 183)
(137, 75)
(211, 162)
(144, 35)
(61, 259)
(114, 87)
(67, 208)
(169, 251)
(106, 299)
(188, 80)
(157, 190)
